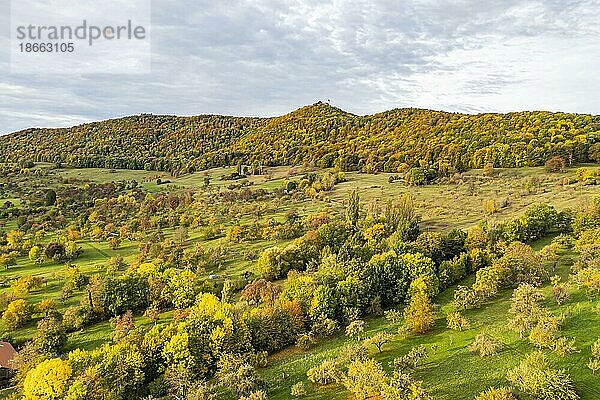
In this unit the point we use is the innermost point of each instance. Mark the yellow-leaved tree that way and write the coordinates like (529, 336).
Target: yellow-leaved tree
(47, 381)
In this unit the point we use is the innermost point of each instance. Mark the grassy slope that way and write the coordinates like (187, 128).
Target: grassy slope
(451, 371)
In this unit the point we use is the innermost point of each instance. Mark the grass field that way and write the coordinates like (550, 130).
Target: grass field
(451, 371)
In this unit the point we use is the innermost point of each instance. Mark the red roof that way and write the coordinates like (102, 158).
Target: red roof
(7, 353)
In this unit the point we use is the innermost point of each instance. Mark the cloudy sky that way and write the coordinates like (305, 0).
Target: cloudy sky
(268, 57)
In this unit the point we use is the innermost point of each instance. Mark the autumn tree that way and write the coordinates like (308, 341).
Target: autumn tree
(419, 315)
(457, 321)
(8, 259)
(355, 329)
(379, 340)
(560, 291)
(410, 360)
(364, 378)
(17, 314)
(402, 385)
(525, 308)
(594, 361)
(50, 336)
(545, 331)
(237, 375)
(536, 377)
(123, 325)
(353, 209)
(324, 373)
(49, 380)
(36, 255)
(485, 345)
(497, 394)
(555, 164)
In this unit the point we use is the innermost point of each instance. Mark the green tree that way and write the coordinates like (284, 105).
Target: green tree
(353, 209)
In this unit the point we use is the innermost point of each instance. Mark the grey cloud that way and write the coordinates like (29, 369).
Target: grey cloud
(268, 57)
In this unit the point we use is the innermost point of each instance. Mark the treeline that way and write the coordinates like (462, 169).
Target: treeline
(438, 143)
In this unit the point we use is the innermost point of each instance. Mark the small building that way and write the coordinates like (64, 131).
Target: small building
(7, 354)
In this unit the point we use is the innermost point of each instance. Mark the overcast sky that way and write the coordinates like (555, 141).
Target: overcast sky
(268, 57)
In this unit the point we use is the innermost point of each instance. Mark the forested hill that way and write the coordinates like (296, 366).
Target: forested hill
(390, 141)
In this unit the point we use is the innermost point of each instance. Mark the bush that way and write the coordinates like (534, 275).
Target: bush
(555, 164)
(298, 389)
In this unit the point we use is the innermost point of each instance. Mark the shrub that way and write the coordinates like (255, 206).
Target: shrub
(555, 164)
(298, 389)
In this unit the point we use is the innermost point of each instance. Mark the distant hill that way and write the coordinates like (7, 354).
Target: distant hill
(327, 136)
